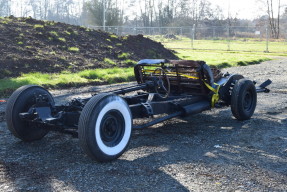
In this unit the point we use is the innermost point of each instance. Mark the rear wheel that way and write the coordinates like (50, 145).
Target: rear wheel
(105, 127)
(21, 101)
(243, 99)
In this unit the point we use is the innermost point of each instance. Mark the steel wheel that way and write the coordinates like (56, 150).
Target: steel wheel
(105, 127)
(112, 128)
(21, 101)
(243, 99)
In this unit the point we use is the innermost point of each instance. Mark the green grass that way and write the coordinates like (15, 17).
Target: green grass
(113, 36)
(37, 26)
(62, 39)
(51, 23)
(109, 61)
(220, 58)
(129, 62)
(243, 45)
(58, 80)
(4, 22)
(123, 56)
(112, 75)
(54, 33)
(73, 49)
(67, 32)
(224, 53)
(75, 32)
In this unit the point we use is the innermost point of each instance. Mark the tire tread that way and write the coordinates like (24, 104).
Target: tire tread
(236, 97)
(84, 120)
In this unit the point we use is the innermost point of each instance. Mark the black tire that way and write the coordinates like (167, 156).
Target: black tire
(243, 99)
(105, 126)
(20, 101)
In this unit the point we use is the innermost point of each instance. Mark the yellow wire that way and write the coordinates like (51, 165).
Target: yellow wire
(215, 96)
(172, 73)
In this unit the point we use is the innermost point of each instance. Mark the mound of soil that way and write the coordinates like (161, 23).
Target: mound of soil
(29, 45)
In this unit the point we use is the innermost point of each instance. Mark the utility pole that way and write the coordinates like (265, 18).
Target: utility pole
(192, 36)
(228, 27)
(104, 15)
(267, 39)
(83, 13)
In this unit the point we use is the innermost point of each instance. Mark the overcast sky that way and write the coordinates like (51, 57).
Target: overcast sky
(245, 9)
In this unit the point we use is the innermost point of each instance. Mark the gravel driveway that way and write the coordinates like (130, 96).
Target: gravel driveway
(210, 151)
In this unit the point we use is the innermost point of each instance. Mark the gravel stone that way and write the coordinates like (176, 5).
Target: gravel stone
(211, 151)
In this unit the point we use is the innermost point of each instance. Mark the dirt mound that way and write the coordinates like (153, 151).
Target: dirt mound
(29, 45)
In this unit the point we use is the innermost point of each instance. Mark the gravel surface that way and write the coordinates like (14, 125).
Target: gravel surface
(210, 151)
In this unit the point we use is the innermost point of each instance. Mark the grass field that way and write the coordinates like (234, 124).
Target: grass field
(67, 79)
(220, 58)
(278, 47)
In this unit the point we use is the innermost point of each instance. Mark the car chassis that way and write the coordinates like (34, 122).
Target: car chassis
(104, 122)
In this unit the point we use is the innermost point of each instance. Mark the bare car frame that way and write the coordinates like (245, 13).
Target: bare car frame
(104, 122)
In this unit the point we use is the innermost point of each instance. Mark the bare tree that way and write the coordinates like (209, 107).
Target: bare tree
(113, 13)
(36, 8)
(274, 22)
(5, 7)
(64, 11)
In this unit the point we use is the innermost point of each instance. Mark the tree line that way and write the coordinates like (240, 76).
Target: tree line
(152, 13)
(142, 13)
(68, 11)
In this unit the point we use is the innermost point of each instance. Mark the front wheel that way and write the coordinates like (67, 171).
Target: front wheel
(105, 127)
(243, 99)
(21, 101)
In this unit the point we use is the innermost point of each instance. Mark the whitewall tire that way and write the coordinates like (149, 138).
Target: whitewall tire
(105, 127)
